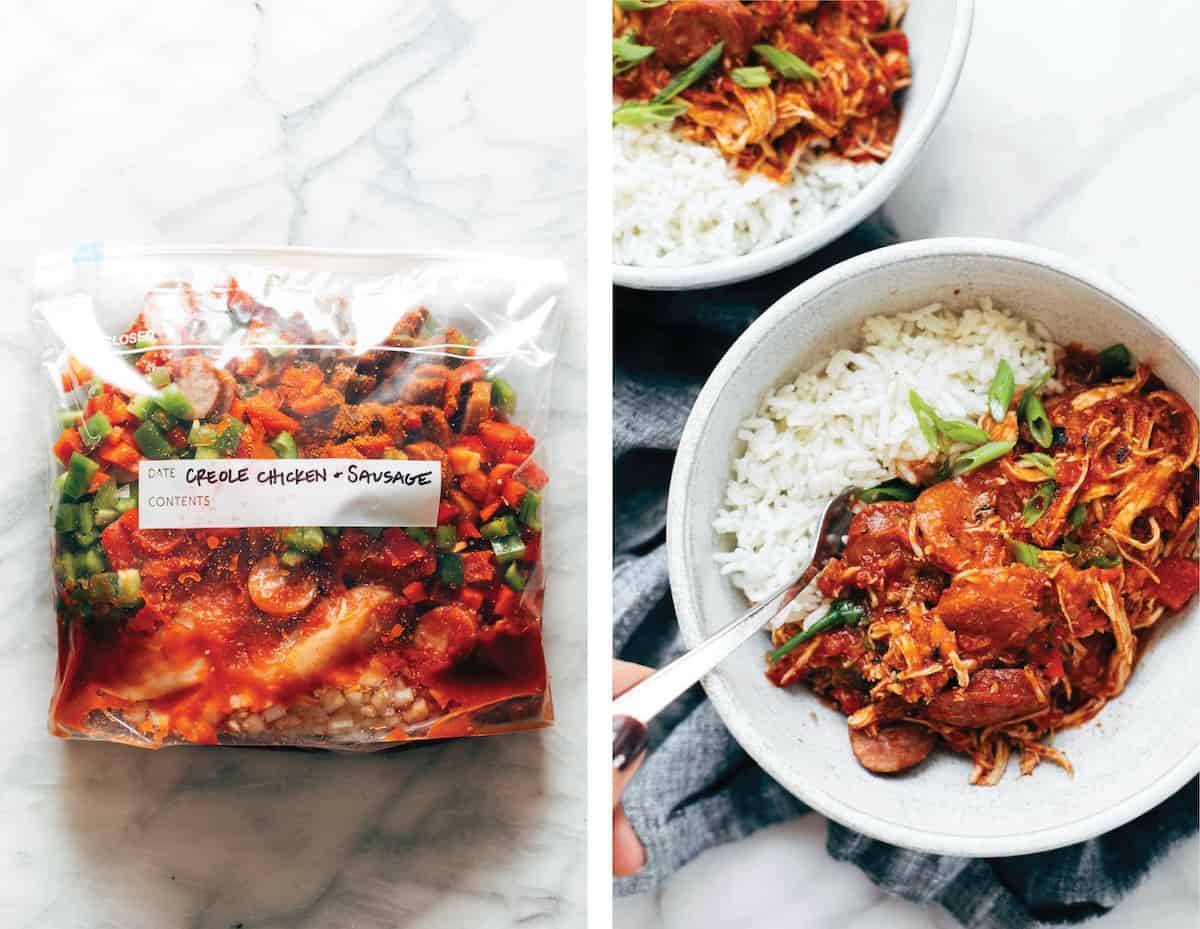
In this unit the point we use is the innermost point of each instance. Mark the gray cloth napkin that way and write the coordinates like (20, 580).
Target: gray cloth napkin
(697, 788)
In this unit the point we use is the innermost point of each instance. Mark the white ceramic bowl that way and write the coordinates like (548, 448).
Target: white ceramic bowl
(1141, 747)
(939, 32)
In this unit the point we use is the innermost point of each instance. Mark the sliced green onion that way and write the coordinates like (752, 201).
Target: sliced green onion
(504, 397)
(1102, 560)
(1116, 361)
(418, 535)
(978, 457)
(787, 64)
(640, 4)
(93, 429)
(646, 114)
(284, 445)
(1036, 506)
(1026, 554)
(1077, 516)
(510, 548)
(689, 75)
(104, 516)
(895, 489)
(1037, 420)
(106, 496)
(752, 77)
(450, 569)
(927, 419)
(1041, 461)
(1000, 393)
(92, 562)
(958, 431)
(628, 54)
(841, 613)
(85, 518)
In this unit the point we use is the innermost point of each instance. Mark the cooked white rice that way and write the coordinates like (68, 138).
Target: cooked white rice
(678, 202)
(847, 421)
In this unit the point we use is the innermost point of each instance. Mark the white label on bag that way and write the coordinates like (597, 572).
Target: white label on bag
(241, 493)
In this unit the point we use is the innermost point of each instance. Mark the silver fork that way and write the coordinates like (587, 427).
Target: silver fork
(633, 709)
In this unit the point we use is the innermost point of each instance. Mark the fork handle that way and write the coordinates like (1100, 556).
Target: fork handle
(645, 700)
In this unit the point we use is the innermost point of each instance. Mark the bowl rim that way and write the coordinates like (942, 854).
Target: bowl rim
(866, 201)
(679, 517)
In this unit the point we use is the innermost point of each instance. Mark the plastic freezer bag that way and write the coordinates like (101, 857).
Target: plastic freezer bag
(295, 495)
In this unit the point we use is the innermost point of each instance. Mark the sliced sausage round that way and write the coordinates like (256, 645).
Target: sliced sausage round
(893, 748)
(445, 636)
(479, 406)
(198, 381)
(683, 31)
(994, 695)
(278, 591)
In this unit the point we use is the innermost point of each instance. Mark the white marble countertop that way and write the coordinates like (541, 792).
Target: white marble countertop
(382, 124)
(1069, 129)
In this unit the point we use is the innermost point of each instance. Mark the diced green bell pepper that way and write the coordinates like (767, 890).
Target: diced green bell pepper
(91, 561)
(172, 399)
(152, 441)
(450, 569)
(527, 511)
(140, 406)
(515, 578)
(93, 429)
(285, 446)
(509, 548)
(307, 539)
(504, 398)
(69, 418)
(292, 558)
(201, 434)
(445, 537)
(159, 377)
(106, 496)
(66, 517)
(84, 520)
(418, 535)
(499, 527)
(229, 438)
(80, 471)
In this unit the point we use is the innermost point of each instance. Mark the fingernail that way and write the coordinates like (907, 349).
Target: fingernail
(629, 741)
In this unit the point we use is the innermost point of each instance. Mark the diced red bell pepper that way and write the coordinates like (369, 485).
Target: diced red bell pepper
(534, 476)
(446, 512)
(512, 492)
(76, 375)
(463, 460)
(1178, 581)
(177, 437)
(475, 485)
(533, 547)
(69, 441)
(501, 438)
(506, 601)
(478, 567)
(415, 592)
(117, 546)
(273, 420)
(891, 39)
(111, 405)
(119, 450)
(99, 479)
(402, 548)
(487, 512)
(467, 530)
(471, 598)
(515, 457)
